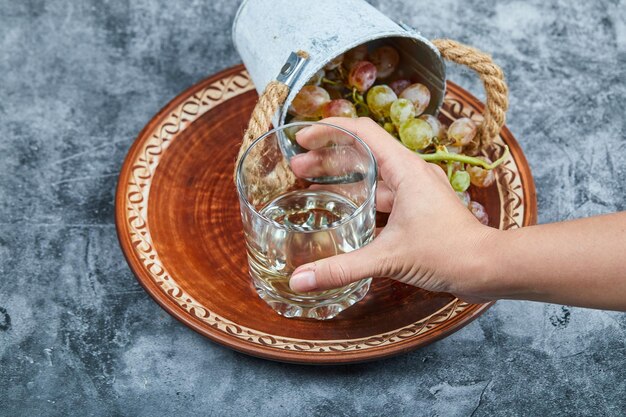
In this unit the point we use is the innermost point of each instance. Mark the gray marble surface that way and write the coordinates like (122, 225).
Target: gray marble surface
(78, 335)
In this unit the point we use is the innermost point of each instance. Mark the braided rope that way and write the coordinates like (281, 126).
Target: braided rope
(261, 119)
(280, 177)
(493, 80)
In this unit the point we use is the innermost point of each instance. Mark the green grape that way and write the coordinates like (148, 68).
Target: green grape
(309, 101)
(390, 128)
(419, 94)
(292, 130)
(416, 134)
(438, 130)
(401, 110)
(460, 181)
(478, 210)
(481, 177)
(379, 99)
(462, 131)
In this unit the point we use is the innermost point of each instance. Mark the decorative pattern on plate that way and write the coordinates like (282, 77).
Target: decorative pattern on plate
(136, 217)
(507, 175)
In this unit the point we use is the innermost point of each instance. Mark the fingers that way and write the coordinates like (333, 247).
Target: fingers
(331, 161)
(319, 136)
(358, 194)
(382, 144)
(338, 271)
(384, 197)
(392, 157)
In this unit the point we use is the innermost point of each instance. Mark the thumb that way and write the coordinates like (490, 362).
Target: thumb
(340, 270)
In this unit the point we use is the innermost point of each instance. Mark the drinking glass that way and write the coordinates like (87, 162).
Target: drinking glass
(299, 207)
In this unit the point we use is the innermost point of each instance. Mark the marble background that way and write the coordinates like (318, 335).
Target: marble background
(78, 335)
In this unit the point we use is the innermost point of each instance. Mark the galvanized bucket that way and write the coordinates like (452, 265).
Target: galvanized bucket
(267, 32)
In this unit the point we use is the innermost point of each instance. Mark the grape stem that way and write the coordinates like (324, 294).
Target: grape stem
(331, 82)
(442, 155)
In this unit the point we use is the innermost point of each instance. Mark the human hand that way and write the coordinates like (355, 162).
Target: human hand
(430, 241)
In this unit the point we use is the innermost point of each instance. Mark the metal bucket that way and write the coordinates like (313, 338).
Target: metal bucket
(267, 32)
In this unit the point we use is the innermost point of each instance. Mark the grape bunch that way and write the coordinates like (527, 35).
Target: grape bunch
(368, 83)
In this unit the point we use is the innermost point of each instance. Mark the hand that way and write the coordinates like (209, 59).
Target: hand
(430, 241)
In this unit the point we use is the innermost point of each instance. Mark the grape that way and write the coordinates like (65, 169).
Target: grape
(419, 95)
(386, 60)
(362, 76)
(399, 85)
(291, 131)
(333, 82)
(481, 177)
(416, 134)
(309, 101)
(462, 131)
(464, 197)
(460, 181)
(355, 55)
(334, 93)
(316, 79)
(435, 124)
(379, 99)
(401, 110)
(334, 63)
(338, 108)
(390, 128)
(478, 210)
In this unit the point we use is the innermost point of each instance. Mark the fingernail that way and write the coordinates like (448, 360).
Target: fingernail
(302, 130)
(303, 281)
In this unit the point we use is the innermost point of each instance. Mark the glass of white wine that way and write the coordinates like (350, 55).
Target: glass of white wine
(300, 207)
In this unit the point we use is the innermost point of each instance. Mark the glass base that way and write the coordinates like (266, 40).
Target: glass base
(312, 307)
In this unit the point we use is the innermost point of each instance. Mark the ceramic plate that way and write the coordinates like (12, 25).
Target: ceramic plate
(178, 223)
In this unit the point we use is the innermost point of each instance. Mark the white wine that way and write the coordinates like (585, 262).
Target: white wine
(304, 226)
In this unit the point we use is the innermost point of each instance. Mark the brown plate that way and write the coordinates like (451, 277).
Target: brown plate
(178, 223)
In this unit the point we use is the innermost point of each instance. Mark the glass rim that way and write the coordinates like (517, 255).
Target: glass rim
(339, 223)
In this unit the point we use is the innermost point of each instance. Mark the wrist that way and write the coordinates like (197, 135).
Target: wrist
(485, 277)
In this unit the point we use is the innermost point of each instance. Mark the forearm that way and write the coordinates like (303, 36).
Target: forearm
(580, 262)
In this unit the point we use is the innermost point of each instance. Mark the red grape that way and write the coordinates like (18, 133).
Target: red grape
(354, 55)
(462, 131)
(419, 94)
(386, 60)
(478, 210)
(362, 76)
(481, 177)
(438, 130)
(399, 85)
(309, 101)
(338, 108)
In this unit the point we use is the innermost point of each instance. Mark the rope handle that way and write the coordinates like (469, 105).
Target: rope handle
(489, 72)
(493, 80)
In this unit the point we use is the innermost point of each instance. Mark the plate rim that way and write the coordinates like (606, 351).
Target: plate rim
(470, 313)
